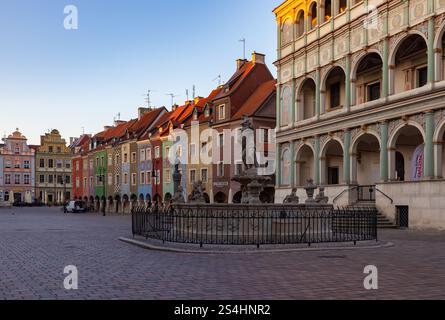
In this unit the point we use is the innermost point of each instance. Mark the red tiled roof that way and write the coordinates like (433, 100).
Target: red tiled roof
(256, 100)
(236, 80)
(146, 121)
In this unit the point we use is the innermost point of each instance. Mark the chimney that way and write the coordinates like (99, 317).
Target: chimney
(174, 107)
(197, 99)
(258, 58)
(240, 63)
(142, 111)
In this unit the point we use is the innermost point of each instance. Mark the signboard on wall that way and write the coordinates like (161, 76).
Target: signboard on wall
(417, 163)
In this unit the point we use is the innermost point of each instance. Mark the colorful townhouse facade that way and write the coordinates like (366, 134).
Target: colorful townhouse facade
(249, 93)
(17, 171)
(54, 181)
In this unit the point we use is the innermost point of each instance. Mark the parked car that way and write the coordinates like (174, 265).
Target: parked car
(76, 207)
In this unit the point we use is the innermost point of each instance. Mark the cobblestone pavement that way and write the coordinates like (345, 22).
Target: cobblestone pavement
(36, 245)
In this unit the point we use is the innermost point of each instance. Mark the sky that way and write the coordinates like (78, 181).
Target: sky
(79, 80)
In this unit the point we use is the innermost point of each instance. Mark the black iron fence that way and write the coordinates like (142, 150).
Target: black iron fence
(254, 225)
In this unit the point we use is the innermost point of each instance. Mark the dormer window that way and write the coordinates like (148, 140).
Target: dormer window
(222, 112)
(207, 112)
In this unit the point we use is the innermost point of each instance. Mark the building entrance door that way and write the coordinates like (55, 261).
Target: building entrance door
(17, 197)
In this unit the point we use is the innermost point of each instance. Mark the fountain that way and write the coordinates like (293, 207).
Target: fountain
(252, 184)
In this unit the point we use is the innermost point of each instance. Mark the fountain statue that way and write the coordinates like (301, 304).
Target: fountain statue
(178, 196)
(310, 190)
(292, 198)
(252, 184)
(321, 198)
(197, 195)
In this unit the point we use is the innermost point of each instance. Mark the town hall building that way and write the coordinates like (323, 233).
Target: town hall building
(361, 104)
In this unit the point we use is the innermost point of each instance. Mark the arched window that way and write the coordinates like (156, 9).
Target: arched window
(327, 10)
(300, 24)
(285, 167)
(313, 22)
(285, 106)
(286, 32)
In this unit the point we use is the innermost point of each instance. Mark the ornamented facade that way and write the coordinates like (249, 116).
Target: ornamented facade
(17, 170)
(53, 169)
(360, 103)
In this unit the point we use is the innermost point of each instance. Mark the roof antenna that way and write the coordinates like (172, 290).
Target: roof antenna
(219, 79)
(187, 94)
(243, 40)
(172, 96)
(148, 97)
(194, 92)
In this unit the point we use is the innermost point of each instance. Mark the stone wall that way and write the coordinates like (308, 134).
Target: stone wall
(425, 199)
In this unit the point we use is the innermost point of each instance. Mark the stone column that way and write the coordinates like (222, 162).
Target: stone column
(438, 151)
(317, 160)
(278, 104)
(278, 165)
(428, 167)
(431, 68)
(353, 160)
(292, 168)
(348, 82)
(385, 69)
(346, 159)
(293, 105)
(384, 152)
(317, 93)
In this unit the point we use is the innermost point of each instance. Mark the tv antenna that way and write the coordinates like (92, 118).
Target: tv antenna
(219, 78)
(172, 96)
(148, 97)
(243, 40)
(194, 92)
(187, 93)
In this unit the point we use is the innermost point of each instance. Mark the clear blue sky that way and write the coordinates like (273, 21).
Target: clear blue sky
(54, 78)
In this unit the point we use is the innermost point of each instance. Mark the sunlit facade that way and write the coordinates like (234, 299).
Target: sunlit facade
(360, 103)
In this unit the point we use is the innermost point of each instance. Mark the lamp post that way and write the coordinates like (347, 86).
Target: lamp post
(154, 176)
(102, 175)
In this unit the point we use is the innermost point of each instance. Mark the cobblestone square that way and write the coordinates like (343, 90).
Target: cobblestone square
(36, 244)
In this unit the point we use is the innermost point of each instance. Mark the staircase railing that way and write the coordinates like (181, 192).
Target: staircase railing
(343, 192)
(385, 195)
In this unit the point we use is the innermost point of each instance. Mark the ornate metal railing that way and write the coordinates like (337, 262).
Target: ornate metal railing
(254, 225)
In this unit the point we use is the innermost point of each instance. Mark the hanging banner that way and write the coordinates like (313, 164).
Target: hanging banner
(417, 163)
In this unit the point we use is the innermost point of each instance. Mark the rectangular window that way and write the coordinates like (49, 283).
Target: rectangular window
(221, 112)
(59, 164)
(50, 149)
(192, 151)
(167, 152)
(142, 178)
(17, 165)
(8, 164)
(59, 179)
(134, 179)
(142, 156)
(125, 157)
(17, 179)
(221, 139)
(50, 163)
(422, 77)
(91, 164)
(335, 95)
(7, 179)
(50, 178)
(68, 179)
(85, 182)
(110, 159)
(110, 179)
(157, 152)
(26, 179)
(97, 162)
(238, 168)
(204, 175)
(125, 178)
(118, 179)
(133, 157)
(77, 182)
(148, 177)
(158, 177)
(91, 182)
(148, 154)
(42, 178)
(192, 176)
(26, 164)
(42, 163)
(168, 178)
(220, 169)
(67, 164)
(373, 91)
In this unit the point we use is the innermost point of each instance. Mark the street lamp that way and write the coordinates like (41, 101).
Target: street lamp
(102, 175)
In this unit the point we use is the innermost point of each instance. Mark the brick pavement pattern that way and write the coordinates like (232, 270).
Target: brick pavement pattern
(37, 244)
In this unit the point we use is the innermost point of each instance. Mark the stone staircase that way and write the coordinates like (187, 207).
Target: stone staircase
(382, 221)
